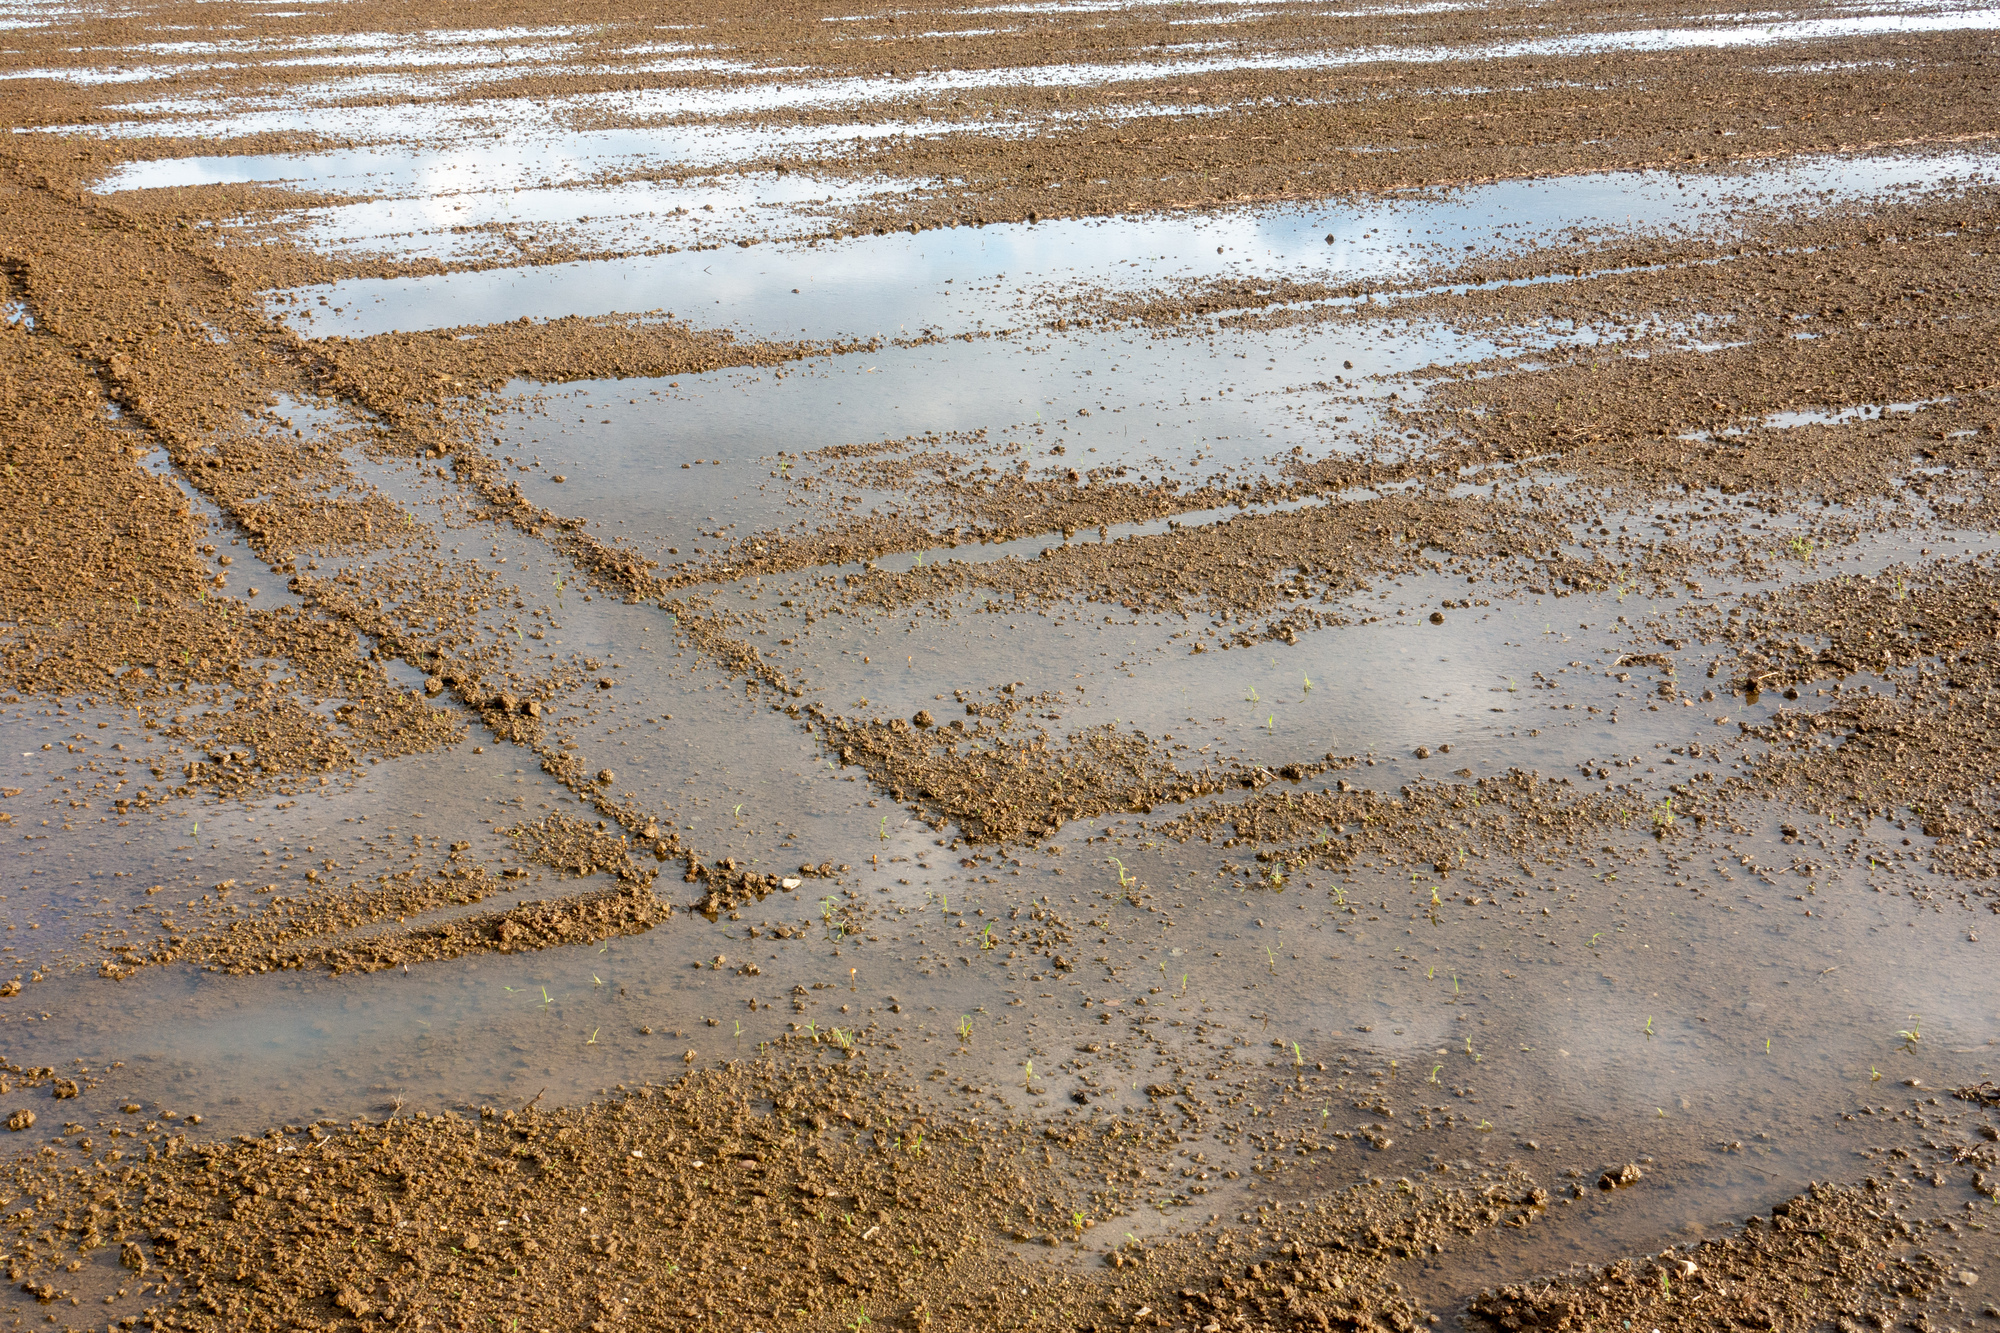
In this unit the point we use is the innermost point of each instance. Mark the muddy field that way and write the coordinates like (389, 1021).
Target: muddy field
(1453, 778)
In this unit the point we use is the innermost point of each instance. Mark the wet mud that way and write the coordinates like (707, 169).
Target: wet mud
(1450, 780)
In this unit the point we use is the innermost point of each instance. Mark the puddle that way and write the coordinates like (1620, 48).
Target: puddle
(1196, 60)
(1346, 948)
(982, 279)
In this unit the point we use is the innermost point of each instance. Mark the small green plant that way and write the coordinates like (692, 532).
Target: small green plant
(1125, 881)
(1252, 696)
(1663, 815)
(861, 1319)
(842, 1039)
(1912, 1034)
(1434, 1075)
(1298, 1057)
(986, 940)
(1649, 1025)
(1076, 1220)
(964, 1028)
(1309, 681)
(1271, 959)
(883, 834)
(1874, 1074)
(1028, 1074)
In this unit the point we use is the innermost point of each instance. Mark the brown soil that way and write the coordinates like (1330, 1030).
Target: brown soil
(820, 1185)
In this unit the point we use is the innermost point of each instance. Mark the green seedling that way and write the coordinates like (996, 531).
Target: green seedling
(986, 940)
(1596, 937)
(1308, 679)
(1912, 1034)
(884, 833)
(1125, 881)
(1028, 1073)
(1076, 1220)
(593, 1036)
(844, 1040)
(1271, 724)
(1298, 1057)
(965, 1027)
(861, 1319)
(1649, 1025)
(1874, 1074)
(1767, 1045)
(1271, 959)
(739, 812)
(1434, 1075)
(1252, 696)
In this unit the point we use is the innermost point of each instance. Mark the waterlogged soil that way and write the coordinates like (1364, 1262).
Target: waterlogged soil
(1450, 781)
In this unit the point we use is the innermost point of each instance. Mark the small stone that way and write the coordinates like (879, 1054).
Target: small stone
(1967, 1278)
(790, 882)
(10, 987)
(66, 1088)
(558, 477)
(20, 1120)
(131, 1108)
(432, 685)
(1437, 617)
(923, 719)
(1629, 1174)
(132, 1256)
(1423, 752)
(606, 776)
